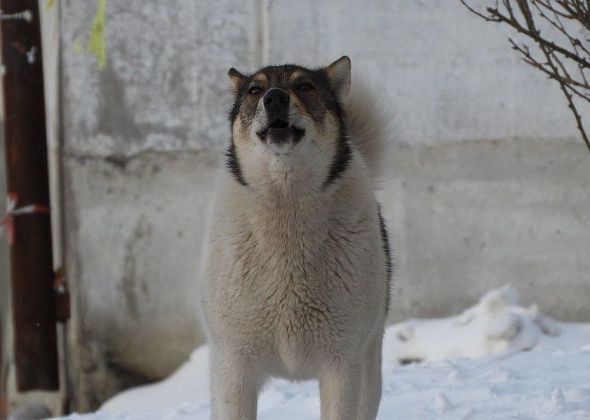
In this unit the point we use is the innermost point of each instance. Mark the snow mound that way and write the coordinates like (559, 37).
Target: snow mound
(496, 324)
(485, 374)
(189, 382)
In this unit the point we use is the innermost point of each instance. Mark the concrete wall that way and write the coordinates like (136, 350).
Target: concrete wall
(486, 182)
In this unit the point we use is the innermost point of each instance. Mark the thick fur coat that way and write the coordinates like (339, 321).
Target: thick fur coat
(297, 268)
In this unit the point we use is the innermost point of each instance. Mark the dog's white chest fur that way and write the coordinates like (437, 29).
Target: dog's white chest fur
(296, 288)
(292, 283)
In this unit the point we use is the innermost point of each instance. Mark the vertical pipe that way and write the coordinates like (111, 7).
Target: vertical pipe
(33, 299)
(3, 381)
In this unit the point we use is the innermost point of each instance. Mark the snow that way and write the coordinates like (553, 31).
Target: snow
(496, 360)
(496, 324)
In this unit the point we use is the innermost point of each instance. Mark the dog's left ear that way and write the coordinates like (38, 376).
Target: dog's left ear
(237, 79)
(339, 76)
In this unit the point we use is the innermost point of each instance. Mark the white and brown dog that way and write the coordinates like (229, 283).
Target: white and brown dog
(298, 263)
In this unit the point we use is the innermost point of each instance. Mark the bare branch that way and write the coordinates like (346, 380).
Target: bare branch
(481, 15)
(566, 64)
(537, 38)
(570, 101)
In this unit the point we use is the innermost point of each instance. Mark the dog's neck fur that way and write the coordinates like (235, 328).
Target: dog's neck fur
(289, 206)
(292, 211)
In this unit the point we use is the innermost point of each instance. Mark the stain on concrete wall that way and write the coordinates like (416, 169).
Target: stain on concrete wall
(134, 238)
(164, 86)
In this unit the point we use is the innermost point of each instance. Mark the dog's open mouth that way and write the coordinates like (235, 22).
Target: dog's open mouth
(280, 131)
(279, 124)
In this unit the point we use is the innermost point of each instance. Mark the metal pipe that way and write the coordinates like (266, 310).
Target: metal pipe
(33, 297)
(3, 378)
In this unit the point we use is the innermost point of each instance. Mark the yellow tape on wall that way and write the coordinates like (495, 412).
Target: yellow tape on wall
(96, 43)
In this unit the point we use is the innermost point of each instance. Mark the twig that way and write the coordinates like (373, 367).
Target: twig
(559, 60)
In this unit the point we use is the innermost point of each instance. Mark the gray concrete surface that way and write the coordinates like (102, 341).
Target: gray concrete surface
(469, 217)
(485, 183)
(134, 238)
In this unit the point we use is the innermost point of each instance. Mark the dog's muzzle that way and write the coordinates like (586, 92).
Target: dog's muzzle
(279, 130)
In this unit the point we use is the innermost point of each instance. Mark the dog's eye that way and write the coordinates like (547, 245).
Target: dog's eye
(254, 90)
(304, 87)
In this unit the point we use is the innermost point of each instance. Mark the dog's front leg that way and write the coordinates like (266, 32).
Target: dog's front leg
(234, 388)
(370, 392)
(339, 390)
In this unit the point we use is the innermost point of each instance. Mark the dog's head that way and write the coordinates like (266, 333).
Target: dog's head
(289, 120)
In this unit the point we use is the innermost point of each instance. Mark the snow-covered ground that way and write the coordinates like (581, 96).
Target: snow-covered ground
(496, 360)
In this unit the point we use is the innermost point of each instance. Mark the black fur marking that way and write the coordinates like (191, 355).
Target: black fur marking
(388, 260)
(234, 111)
(343, 154)
(340, 161)
(238, 98)
(279, 76)
(233, 164)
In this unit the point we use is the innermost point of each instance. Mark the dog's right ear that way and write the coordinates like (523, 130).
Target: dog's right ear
(237, 79)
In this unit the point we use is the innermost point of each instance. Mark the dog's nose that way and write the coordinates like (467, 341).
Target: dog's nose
(276, 103)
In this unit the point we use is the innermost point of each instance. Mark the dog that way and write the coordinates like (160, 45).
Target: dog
(298, 266)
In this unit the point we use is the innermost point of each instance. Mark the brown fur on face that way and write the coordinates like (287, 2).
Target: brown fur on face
(310, 90)
(316, 115)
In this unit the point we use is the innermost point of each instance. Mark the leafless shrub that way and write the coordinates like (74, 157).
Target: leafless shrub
(560, 47)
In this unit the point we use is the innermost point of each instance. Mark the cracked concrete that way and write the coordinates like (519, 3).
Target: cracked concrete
(135, 245)
(135, 236)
